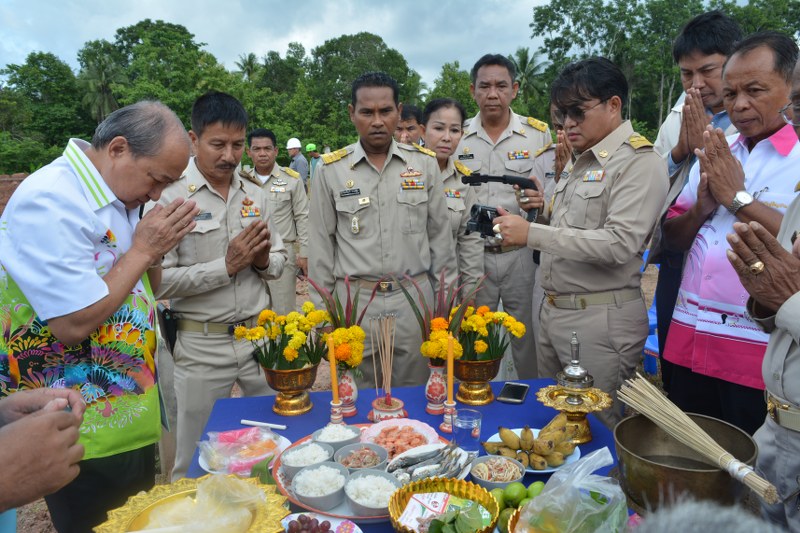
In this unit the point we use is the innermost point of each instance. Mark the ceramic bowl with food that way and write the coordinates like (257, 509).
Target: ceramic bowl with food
(495, 471)
(337, 435)
(321, 486)
(307, 454)
(362, 456)
(368, 492)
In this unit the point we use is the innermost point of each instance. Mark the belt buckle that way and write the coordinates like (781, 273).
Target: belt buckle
(385, 286)
(551, 300)
(773, 406)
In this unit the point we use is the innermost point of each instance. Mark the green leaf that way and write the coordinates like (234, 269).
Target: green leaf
(261, 471)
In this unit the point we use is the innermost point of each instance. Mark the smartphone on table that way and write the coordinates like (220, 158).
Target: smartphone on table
(513, 392)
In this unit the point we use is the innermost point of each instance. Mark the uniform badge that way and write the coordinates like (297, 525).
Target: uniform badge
(410, 173)
(518, 154)
(192, 187)
(363, 201)
(275, 188)
(280, 182)
(354, 226)
(249, 210)
(205, 215)
(594, 175)
(350, 184)
(603, 153)
(452, 193)
(466, 155)
(410, 184)
(349, 192)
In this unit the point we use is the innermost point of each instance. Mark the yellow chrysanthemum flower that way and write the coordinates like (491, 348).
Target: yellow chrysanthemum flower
(290, 353)
(267, 315)
(308, 307)
(239, 332)
(481, 346)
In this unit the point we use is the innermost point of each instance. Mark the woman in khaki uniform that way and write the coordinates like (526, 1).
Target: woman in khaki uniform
(442, 130)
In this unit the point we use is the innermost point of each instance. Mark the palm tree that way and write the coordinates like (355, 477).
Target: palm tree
(97, 79)
(529, 72)
(248, 65)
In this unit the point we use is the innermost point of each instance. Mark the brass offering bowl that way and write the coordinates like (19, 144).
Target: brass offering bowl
(292, 386)
(474, 377)
(656, 469)
(576, 404)
(135, 514)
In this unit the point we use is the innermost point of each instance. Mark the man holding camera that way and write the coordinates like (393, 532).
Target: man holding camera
(600, 220)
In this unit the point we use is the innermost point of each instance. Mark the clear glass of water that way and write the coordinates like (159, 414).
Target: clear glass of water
(467, 429)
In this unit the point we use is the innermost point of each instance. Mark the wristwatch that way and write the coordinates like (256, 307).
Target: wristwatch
(740, 200)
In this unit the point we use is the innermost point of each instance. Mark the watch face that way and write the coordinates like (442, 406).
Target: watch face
(744, 197)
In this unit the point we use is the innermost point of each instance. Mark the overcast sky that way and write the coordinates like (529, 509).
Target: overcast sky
(427, 33)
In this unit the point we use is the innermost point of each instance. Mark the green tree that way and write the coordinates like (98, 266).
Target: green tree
(248, 66)
(100, 73)
(532, 96)
(453, 82)
(282, 74)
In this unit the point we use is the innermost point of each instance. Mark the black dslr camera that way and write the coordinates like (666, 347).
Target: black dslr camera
(480, 220)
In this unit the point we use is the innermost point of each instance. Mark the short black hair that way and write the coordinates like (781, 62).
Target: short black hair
(441, 103)
(374, 79)
(709, 33)
(494, 59)
(411, 111)
(595, 77)
(215, 106)
(783, 48)
(260, 133)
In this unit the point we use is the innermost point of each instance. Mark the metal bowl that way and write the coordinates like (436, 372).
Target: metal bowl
(656, 469)
(325, 502)
(489, 485)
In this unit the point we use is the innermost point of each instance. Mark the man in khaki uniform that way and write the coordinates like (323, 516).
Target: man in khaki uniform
(288, 209)
(216, 277)
(377, 208)
(602, 215)
(497, 141)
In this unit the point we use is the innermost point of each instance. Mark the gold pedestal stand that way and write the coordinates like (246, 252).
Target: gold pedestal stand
(475, 378)
(575, 396)
(292, 386)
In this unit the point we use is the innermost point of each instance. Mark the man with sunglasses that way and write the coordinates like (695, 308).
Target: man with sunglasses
(594, 231)
(714, 345)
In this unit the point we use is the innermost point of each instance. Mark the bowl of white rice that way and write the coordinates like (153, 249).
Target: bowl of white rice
(321, 486)
(368, 492)
(337, 435)
(306, 454)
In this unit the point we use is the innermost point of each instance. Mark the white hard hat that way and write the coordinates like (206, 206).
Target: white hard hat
(294, 142)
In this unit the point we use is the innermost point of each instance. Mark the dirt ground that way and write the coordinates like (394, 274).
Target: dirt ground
(34, 518)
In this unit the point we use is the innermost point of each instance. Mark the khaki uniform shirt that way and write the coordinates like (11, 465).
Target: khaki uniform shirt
(512, 155)
(469, 248)
(288, 204)
(194, 275)
(366, 223)
(544, 168)
(603, 213)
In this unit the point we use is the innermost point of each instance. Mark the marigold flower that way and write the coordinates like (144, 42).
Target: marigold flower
(480, 346)
(239, 332)
(308, 307)
(439, 323)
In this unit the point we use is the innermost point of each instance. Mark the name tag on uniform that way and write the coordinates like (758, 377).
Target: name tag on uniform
(519, 154)
(203, 216)
(594, 175)
(462, 157)
(349, 192)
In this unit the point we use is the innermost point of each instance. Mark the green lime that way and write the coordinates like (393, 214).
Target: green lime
(500, 497)
(523, 502)
(502, 520)
(535, 488)
(514, 493)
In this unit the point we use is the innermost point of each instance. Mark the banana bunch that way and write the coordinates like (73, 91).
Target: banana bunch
(549, 449)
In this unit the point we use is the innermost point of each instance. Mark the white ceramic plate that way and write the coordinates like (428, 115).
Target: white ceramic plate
(568, 460)
(430, 447)
(371, 432)
(337, 524)
(283, 443)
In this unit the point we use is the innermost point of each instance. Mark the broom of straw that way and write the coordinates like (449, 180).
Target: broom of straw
(643, 396)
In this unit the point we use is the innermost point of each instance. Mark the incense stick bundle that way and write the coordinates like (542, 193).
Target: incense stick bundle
(644, 397)
(372, 342)
(385, 345)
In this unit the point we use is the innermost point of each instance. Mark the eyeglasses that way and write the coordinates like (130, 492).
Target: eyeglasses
(576, 113)
(793, 120)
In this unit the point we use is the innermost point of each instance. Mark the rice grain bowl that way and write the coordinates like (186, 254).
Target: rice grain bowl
(336, 433)
(370, 491)
(305, 456)
(320, 481)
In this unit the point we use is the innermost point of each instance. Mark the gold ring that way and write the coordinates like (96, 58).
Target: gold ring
(757, 268)
(523, 200)
(496, 228)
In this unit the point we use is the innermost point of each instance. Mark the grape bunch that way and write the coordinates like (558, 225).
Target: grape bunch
(306, 524)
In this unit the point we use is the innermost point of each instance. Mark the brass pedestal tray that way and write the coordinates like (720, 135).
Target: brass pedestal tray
(135, 514)
(292, 386)
(575, 396)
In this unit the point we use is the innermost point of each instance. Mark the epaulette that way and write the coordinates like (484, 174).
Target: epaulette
(638, 141)
(461, 167)
(538, 124)
(334, 156)
(543, 149)
(249, 177)
(424, 150)
(291, 172)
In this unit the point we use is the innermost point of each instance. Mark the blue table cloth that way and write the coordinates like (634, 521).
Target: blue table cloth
(228, 412)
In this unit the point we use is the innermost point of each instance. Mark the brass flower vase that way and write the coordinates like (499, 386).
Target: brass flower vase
(474, 378)
(292, 386)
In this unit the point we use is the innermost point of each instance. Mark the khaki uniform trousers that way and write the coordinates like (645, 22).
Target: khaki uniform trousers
(611, 339)
(409, 367)
(509, 277)
(206, 367)
(779, 463)
(282, 290)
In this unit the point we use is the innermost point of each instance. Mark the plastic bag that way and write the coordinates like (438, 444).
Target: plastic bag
(237, 451)
(576, 501)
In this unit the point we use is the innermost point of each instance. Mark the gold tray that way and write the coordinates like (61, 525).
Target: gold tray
(134, 515)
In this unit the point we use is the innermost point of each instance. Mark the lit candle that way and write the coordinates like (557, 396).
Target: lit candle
(450, 368)
(332, 360)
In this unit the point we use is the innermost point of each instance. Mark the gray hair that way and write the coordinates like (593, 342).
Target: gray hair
(144, 125)
(704, 517)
